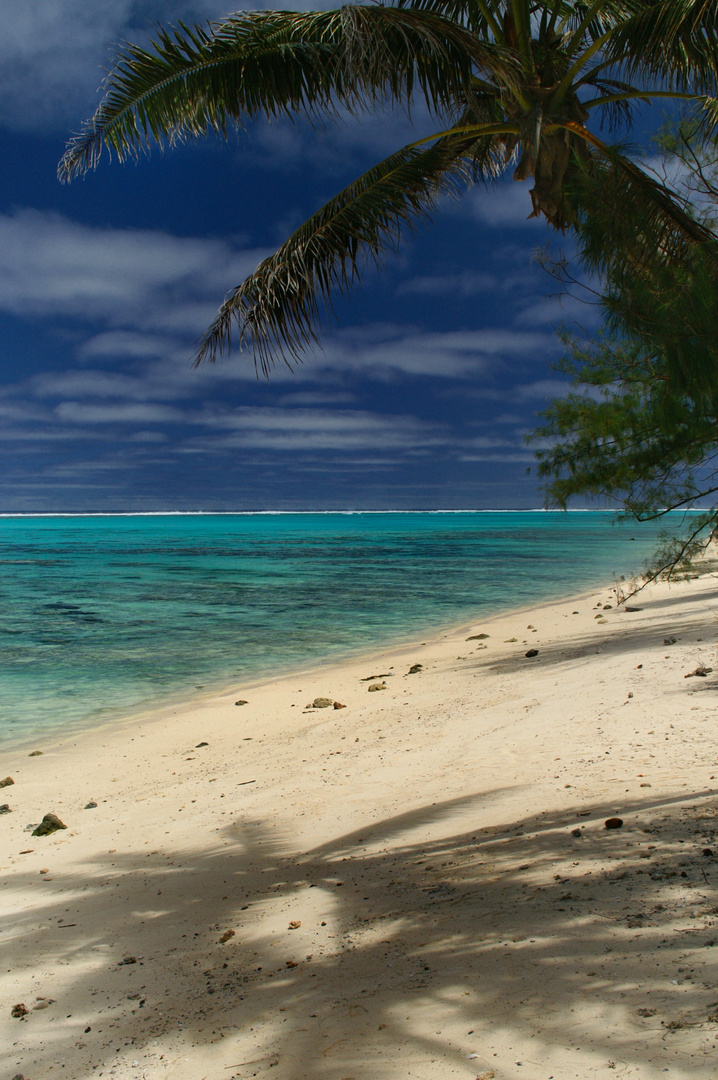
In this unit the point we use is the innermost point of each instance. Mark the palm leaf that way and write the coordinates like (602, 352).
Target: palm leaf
(193, 81)
(675, 40)
(630, 213)
(276, 311)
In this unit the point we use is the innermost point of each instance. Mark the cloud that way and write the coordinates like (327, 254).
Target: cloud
(503, 205)
(562, 309)
(298, 430)
(541, 390)
(123, 343)
(54, 53)
(453, 354)
(317, 397)
(128, 278)
(88, 384)
(467, 283)
(83, 413)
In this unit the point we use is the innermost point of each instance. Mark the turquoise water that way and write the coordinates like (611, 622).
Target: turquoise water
(100, 615)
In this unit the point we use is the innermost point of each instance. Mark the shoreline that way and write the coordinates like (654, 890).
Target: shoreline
(418, 884)
(184, 699)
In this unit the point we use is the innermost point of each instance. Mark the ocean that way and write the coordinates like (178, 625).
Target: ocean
(103, 615)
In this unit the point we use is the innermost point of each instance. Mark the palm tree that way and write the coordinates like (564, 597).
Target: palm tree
(521, 84)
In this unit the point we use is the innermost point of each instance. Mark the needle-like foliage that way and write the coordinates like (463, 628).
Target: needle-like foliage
(510, 84)
(640, 427)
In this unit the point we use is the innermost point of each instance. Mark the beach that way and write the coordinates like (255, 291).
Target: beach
(419, 884)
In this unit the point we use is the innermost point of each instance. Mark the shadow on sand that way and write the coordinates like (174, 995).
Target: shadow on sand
(410, 951)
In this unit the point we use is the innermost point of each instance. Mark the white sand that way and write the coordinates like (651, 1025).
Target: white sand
(448, 923)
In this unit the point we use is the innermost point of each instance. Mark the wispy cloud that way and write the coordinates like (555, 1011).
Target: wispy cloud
(83, 413)
(450, 355)
(343, 430)
(126, 277)
(54, 53)
(467, 283)
(503, 205)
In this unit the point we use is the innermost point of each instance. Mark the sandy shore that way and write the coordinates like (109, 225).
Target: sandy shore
(417, 885)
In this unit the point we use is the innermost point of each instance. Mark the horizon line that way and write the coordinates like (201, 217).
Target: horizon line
(257, 513)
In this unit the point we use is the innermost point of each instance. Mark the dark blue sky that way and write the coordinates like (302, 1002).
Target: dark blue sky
(431, 373)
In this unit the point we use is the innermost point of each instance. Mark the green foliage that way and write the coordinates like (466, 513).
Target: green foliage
(640, 427)
(510, 84)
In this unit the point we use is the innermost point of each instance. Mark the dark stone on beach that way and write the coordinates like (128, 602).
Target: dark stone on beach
(35, 753)
(241, 702)
(321, 703)
(91, 805)
(608, 607)
(377, 686)
(5, 808)
(18, 1011)
(613, 823)
(49, 824)
(201, 744)
(477, 637)
(532, 652)
(415, 668)
(669, 641)
(338, 705)
(627, 608)
(707, 852)
(576, 832)
(127, 960)
(7, 782)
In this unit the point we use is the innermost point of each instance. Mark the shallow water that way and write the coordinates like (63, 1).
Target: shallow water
(101, 615)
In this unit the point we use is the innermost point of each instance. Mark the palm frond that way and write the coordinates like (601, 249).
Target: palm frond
(482, 17)
(675, 40)
(707, 119)
(624, 215)
(276, 311)
(193, 81)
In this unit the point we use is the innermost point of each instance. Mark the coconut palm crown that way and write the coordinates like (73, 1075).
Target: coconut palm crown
(521, 85)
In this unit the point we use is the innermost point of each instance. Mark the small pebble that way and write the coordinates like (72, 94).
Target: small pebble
(613, 823)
